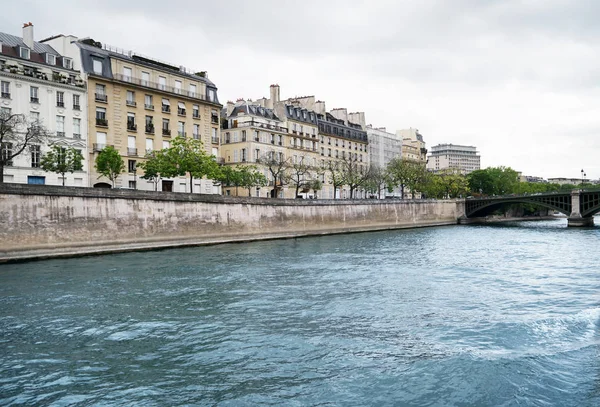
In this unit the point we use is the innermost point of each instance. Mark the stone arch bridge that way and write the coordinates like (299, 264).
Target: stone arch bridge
(579, 205)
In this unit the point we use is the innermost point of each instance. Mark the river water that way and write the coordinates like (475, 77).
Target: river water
(467, 315)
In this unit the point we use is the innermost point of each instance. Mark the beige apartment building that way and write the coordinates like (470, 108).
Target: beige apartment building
(413, 145)
(453, 156)
(139, 104)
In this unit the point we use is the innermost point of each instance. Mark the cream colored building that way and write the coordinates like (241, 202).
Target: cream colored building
(139, 104)
(453, 156)
(413, 145)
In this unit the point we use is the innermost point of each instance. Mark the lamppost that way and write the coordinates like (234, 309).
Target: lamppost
(582, 176)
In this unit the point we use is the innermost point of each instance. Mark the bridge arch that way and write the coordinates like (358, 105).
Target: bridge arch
(488, 207)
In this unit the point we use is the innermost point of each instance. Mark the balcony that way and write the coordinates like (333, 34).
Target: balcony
(131, 151)
(166, 132)
(34, 100)
(101, 97)
(164, 88)
(166, 109)
(181, 133)
(148, 107)
(149, 129)
(101, 122)
(76, 107)
(99, 147)
(77, 136)
(219, 160)
(214, 140)
(60, 104)
(131, 103)
(214, 119)
(131, 126)
(60, 134)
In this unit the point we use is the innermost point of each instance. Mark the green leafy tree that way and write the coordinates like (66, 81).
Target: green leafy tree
(494, 181)
(17, 132)
(335, 173)
(187, 156)
(230, 176)
(354, 174)
(376, 180)
(452, 183)
(250, 177)
(154, 167)
(405, 174)
(109, 164)
(316, 185)
(62, 160)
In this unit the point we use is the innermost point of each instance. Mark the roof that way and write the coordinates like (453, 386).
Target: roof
(254, 110)
(38, 47)
(300, 114)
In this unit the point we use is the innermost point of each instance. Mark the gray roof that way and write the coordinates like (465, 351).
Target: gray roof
(254, 110)
(38, 47)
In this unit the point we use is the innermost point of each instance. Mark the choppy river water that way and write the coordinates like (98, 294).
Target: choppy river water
(466, 315)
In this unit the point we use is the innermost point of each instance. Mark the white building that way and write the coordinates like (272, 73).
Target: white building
(452, 156)
(42, 84)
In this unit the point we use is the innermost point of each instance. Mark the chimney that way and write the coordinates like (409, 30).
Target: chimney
(28, 35)
(274, 94)
(230, 107)
(320, 107)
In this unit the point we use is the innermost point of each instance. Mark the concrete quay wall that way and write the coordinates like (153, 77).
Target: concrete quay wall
(40, 221)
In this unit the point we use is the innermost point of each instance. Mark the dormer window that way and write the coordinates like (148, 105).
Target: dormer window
(24, 53)
(67, 63)
(97, 66)
(51, 59)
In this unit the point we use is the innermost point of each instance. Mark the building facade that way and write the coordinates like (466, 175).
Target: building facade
(453, 156)
(138, 104)
(44, 85)
(413, 145)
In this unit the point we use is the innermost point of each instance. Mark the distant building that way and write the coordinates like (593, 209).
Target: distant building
(413, 145)
(383, 146)
(570, 181)
(453, 156)
(532, 179)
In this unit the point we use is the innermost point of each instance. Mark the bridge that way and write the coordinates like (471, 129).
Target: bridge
(579, 205)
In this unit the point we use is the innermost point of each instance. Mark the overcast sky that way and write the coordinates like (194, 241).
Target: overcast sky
(520, 80)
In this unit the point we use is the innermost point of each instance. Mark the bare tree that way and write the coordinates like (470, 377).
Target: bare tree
(17, 132)
(277, 164)
(298, 173)
(354, 174)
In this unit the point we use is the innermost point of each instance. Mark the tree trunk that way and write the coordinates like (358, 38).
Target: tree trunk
(334, 192)
(297, 189)
(1, 173)
(402, 191)
(63, 178)
(191, 184)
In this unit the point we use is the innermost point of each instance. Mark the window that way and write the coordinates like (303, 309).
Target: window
(181, 129)
(130, 98)
(244, 158)
(101, 93)
(60, 99)
(196, 131)
(131, 122)
(196, 111)
(211, 95)
(148, 102)
(33, 94)
(51, 59)
(192, 90)
(36, 153)
(100, 141)
(6, 151)
(149, 125)
(5, 89)
(67, 63)
(178, 87)
(145, 79)
(166, 144)
(127, 74)
(35, 116)
(162, 82)
(77, 128)
(215, 136)
(24, 53)
(97, 66)
(131, 149)
(60, 126)
(76, 105)
(235, 156)
(149, 145)
(131, 167)
(101, 117)
(166, 105)
(181, 108)
(165, 127)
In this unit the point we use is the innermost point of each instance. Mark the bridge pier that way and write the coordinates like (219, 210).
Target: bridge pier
(575, 219)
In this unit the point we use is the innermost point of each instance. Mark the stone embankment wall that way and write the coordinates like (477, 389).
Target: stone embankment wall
(46, 221)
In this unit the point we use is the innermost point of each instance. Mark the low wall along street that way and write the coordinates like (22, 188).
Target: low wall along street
(40, 221)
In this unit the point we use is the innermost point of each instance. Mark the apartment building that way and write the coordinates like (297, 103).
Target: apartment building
(413, 145)
(44, 85)
(453, 156)
(139, 104)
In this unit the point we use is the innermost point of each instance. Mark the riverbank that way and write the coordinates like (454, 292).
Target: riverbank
(43, 221)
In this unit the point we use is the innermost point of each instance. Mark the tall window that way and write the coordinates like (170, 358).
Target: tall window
(181, 108)
(131, 122)
(162, 82)
(166, 105)
(196, 111)
(6, 151)
(180, 129)
(60, 99)
(76, 128)
(148, 102)
(97, 66)
(149, 125)
(67, 63)
(127, 74)
(165, 127)
(5, 89)
(101, 93)
(60, 126)
(33, 94)
(101, 117)
(100, 140)
(178, 87)
(130, 98)
(76, 105)
(145, 78)
(36, 153)
(192, 90)
(35, 116)
(196, 131)
(149, 145)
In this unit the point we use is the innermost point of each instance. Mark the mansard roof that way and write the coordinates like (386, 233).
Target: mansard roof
(300, 114)
(254, 110)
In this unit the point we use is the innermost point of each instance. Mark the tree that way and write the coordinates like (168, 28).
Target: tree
(17, 132)
(453, 184)
(187, 156)
(316, 185)
(376, 179)
(399, 173)
(277, 164)
(62, 160)
(298, 172)
(250, 177)
(494, 181)
(354, 174)
(154, 167)
(109, 164)
(336, 174)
